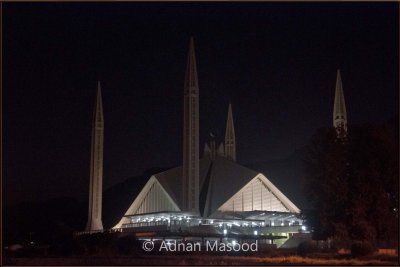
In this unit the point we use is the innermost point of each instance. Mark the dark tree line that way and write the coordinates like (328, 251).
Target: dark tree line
(353, 183)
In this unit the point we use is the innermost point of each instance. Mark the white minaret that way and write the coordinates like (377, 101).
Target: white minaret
(94, 222)
(339, 109)
(230, 141)
(190, 183)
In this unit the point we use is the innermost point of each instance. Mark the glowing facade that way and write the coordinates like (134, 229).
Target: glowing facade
(228, 190)
(211, 196)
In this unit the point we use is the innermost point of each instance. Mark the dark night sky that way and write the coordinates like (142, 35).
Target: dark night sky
(275, 62)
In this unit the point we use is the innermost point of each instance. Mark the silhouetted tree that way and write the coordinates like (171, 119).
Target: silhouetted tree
(374, 182)
(326, 184)
(352, 184)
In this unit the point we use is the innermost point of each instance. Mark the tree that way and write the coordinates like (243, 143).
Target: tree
(326, 185)
(352, 183)
(375, 182)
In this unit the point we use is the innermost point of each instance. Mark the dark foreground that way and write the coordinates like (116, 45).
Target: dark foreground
(388, 260)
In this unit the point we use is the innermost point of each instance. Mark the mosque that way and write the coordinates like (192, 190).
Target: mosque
(213, 197)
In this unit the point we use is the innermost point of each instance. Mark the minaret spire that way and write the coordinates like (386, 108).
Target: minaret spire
(94, 222)
(190, 183)
(339, 109)
(230, 140)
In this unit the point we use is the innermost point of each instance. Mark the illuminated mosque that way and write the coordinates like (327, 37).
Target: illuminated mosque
(208, 198)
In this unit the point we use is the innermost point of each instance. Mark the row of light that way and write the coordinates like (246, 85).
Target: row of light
(244, 224)
(226, 231)
(211, 221)
(188, 220)
(151, 219)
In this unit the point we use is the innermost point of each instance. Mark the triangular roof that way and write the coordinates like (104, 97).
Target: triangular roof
(220, 181)
(152, 198)
(171, 180)
(226, 178)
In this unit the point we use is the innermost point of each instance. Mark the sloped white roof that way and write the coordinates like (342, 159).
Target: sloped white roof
(226, 178)
(219, 180)
(171, 180)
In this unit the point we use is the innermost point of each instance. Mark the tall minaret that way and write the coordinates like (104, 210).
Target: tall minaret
(94, 222)
(190, 192)
(339, 109)
(230, 141)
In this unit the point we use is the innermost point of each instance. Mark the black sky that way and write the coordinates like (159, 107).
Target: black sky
(275, 62)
